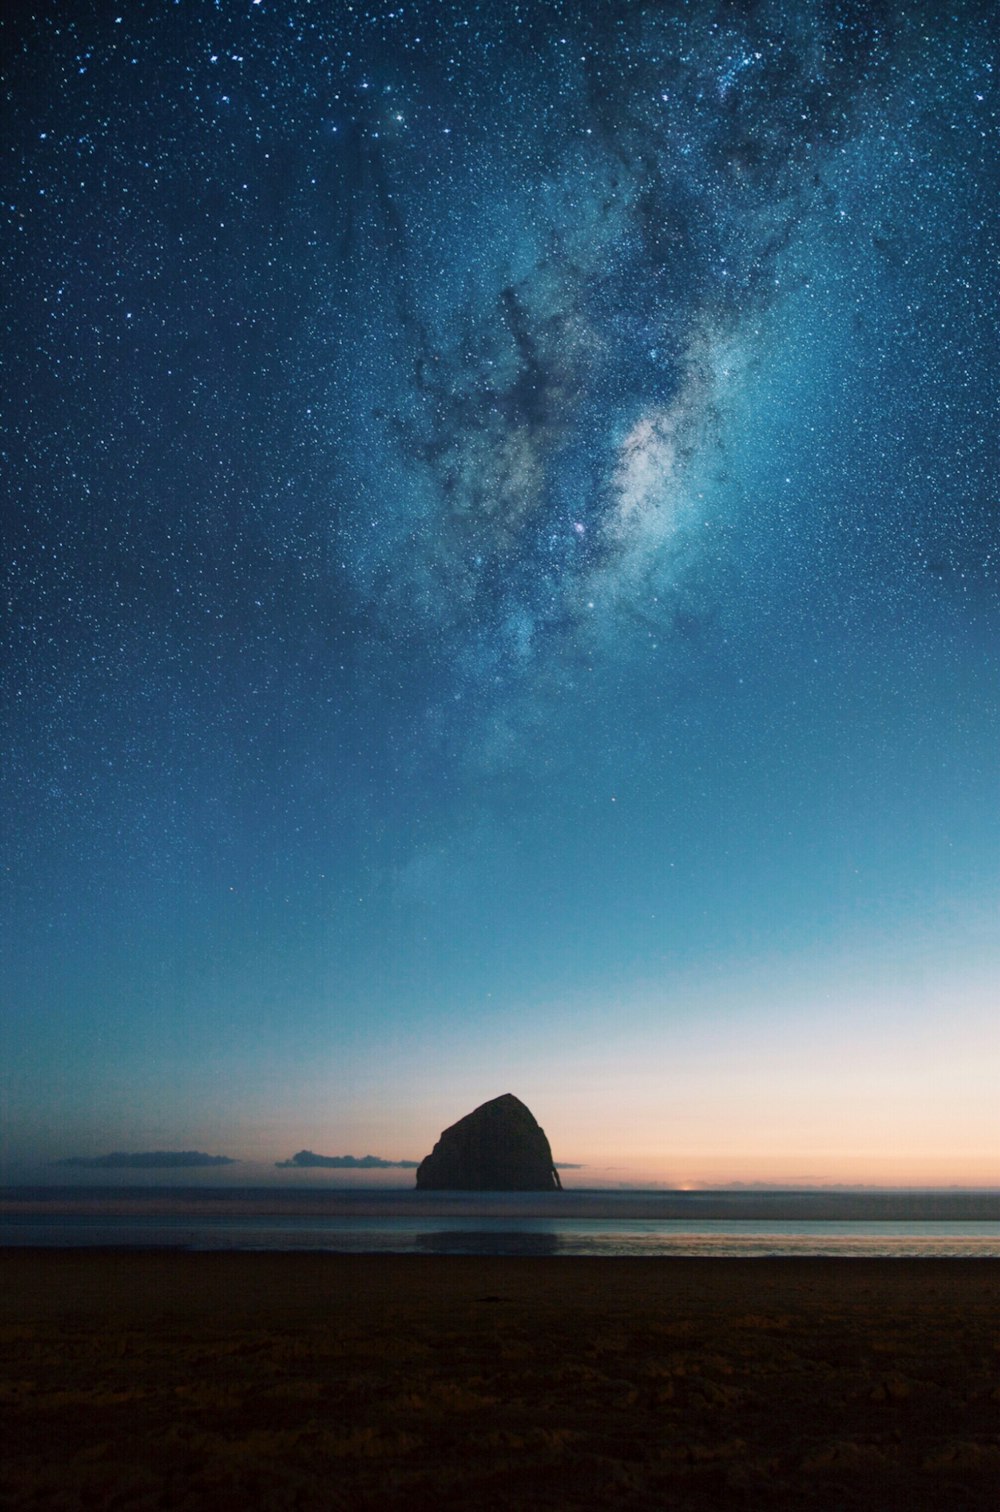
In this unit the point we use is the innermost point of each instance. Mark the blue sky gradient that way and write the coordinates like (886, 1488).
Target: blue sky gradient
(502, 585)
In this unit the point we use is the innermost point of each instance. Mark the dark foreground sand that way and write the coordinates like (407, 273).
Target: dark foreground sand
(316, 1381)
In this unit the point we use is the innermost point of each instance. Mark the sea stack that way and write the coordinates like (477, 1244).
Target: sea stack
(499, 1147)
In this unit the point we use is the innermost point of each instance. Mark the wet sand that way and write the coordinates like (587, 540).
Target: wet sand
(167, 1380)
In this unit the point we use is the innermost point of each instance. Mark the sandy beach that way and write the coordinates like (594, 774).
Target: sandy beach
(162, 1380)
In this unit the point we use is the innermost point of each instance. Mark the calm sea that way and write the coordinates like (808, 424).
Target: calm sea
(573, 1222)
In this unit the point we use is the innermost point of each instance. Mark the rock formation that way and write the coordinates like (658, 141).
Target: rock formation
(499, 1147)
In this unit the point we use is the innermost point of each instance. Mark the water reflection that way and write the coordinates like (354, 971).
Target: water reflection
(486, 1242)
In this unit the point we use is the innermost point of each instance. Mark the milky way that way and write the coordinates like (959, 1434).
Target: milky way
(500, 497)
(544, 310)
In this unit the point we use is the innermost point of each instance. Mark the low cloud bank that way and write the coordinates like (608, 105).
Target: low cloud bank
(306, 1158)
(145, 1160)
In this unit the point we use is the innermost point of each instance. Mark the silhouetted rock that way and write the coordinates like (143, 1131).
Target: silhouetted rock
(497, 1148)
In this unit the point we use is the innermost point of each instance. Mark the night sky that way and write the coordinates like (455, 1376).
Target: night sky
(501, 584)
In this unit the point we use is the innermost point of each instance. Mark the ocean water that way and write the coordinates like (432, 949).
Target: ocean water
(595, 1223)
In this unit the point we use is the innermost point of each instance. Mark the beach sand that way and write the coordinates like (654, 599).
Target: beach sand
(170, 1380)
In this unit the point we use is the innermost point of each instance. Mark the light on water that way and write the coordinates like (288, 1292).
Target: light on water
(595, 1224)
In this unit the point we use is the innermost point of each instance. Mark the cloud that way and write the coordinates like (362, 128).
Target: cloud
(306, 1159)
(145, 1160)
(567, 1165)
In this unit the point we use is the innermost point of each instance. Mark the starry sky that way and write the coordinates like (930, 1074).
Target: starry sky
(501, 584)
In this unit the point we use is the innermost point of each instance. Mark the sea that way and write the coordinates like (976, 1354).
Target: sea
(625, 1223)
